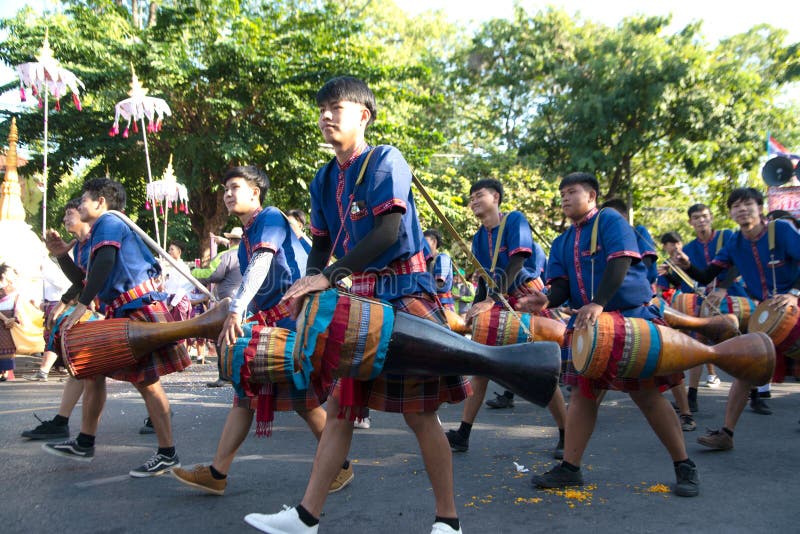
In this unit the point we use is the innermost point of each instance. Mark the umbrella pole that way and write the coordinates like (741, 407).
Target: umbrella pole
(149, 176)
(44, 166)
(166, 216)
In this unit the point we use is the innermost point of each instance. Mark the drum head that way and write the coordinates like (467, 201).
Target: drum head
(764, 319)
(582, 344)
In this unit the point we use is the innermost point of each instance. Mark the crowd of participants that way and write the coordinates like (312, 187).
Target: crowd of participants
(366, 240)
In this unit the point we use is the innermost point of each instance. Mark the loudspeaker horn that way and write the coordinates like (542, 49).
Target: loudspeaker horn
(777, 171)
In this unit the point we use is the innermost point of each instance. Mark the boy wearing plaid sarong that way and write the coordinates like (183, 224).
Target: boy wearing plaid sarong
(611, 278)
(363, 213)
(122, 274)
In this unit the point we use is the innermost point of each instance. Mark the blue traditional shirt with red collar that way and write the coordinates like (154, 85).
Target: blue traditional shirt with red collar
(701, 253)
(571, 259)
(443, 271)
(269, 230)
(80, 253)
(135, 263)
(516, 239)
(753, 257)
(647, 248)
(346, 212)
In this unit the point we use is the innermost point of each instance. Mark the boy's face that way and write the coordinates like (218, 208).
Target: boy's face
(6, 283)
(240, 197)
(174, 252)
(746, 212)
(700, 221)
(342, 122)
(483, 201)
(431, 243)
(576, 200)
(90, 209)
(72, 220)
(672, 248)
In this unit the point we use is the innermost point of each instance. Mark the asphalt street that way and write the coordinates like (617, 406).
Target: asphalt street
(753, 488)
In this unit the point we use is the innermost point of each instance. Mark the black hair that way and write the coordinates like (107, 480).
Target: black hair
(435, 235)
(5, 269)
(348, 89)
(582, 178)
(72, 204)
(671, 237)
(774, 215)
(695, 208)
(178, 244)
(300, 215)
(488, 183)
(252, 175)
(616, 204)
(745, 193)
(112, 191)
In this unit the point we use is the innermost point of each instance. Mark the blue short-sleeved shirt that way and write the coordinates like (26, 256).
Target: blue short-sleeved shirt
(571, 259)
(269, 230)
(443, 271)
(135, 263)
(647, 248)
(752, 258)
(702, 253)
(346, 212)
(80, 253)
(516, 239)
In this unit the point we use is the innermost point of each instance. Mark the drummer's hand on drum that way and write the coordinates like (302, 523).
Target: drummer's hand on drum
(231, 330)
(55, 244)
(587, 315)
(779, 302)
(478, 308)
(533, 303)
(73, 317)
(307, 284)
(57, 310)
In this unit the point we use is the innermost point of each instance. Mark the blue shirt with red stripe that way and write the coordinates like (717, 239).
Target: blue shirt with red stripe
(516, 239)
(647, 248)
(269, 230)
(571, 259)
(80, 253)
(135, 263)
(753, 258)
(702, 253)
(443, 271)
(346, 212)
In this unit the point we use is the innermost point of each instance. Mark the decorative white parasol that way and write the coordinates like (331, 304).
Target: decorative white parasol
(135, 110)
(44, 77)
(166, 194)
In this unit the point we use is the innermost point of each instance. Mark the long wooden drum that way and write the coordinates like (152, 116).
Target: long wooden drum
(618, 346)
(741, 307)
(498, 327)
(783, 327)
(97, 347)
(344, 335)
(688, 303)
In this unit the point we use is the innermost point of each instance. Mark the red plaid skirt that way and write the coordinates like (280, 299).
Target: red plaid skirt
(403, 393)
(162, 362)
(587, 386)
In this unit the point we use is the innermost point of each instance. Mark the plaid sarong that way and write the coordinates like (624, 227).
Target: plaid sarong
(163, 361)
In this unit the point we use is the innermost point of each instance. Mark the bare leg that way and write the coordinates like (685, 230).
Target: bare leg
(94, 399)
(473, 403)
(158, 409)
(315, 419)
(73, 390)
(663, 421)
(334, 444)
(737, 400)
(694, 376)
(437, 458)
(237, 426)
(558, 408)
(710, 369)
(682, 398)
(581, 418)
(48, 359)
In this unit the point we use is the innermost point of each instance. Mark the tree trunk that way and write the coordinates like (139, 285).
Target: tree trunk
(135, 13)
(151, 19)
(208, 214)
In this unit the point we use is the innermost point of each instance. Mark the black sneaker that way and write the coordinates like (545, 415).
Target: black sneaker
(558, 477)
(687, 423)
(70, 449)
(760, 407)
(158, 464)
(558, 453)
(147, 427)
(458, 443)
(500, 401)
(687, 482)
(47, 430)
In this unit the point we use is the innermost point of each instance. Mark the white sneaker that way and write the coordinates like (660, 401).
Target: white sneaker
(363, 424)
(713, 381)
(444, 528)
(285, 522)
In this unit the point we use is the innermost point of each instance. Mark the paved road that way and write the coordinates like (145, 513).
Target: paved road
(753, 488)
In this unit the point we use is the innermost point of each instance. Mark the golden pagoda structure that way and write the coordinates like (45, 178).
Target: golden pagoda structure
(10, 193)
